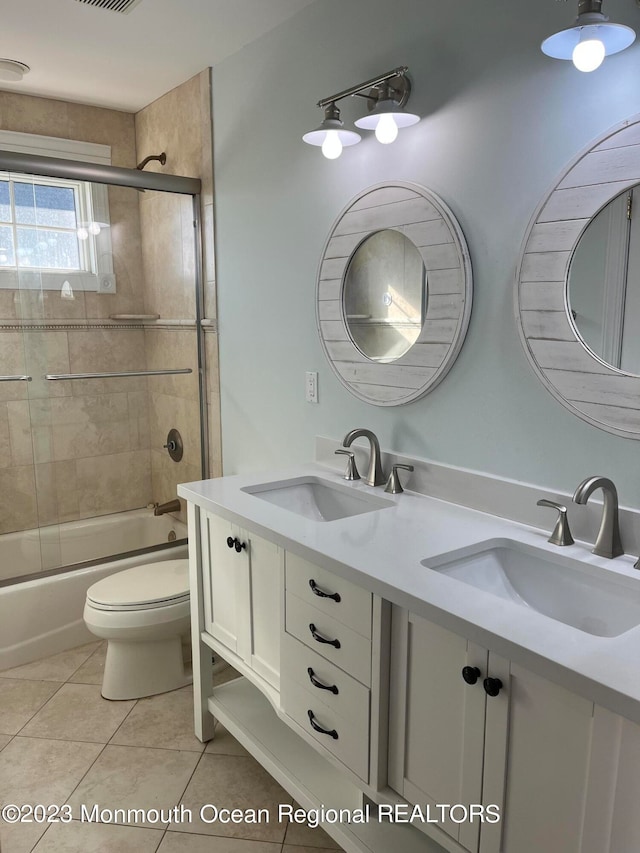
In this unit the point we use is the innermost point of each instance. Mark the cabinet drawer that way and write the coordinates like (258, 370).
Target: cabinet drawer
(354, 652)
(353, 608)
(351, 741)
(351, 700)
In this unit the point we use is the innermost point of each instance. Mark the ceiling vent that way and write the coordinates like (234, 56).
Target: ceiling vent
(124, 6)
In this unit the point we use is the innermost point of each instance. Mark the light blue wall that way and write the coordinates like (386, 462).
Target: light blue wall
(500, 121)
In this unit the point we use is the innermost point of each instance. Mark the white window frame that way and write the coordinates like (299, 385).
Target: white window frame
(95, 199)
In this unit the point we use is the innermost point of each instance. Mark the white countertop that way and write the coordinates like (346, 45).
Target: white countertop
(382, 551)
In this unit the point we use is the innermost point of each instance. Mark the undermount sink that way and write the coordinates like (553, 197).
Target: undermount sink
(557, 586)
(317, 499)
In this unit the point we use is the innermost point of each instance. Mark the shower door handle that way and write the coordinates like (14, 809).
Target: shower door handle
(15, 378)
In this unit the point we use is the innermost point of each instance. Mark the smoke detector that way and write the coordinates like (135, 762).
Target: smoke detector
(124, 6)
(11, 69)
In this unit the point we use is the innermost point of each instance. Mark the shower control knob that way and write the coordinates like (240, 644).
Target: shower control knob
(230, 541)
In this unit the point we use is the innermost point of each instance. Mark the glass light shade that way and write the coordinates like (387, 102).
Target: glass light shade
(386, 112)
(614, 37)
(332, 137)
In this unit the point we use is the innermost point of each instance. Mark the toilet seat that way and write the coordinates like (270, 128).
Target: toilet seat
(146, 587)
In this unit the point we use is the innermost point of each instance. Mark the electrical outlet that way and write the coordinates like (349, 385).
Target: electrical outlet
(311, 386)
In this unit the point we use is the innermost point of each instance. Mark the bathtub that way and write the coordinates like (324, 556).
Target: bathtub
(41, 614)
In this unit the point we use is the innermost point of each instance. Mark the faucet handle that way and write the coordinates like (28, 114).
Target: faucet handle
(352, 472)
(394, 486)
(561, 535)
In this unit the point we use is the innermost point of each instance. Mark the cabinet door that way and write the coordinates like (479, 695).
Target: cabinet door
(265, 596)
(438, 732)
(225, 575)
(544, 733)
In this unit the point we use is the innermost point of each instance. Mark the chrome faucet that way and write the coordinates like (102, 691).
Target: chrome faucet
(375, 475)
(608, 543)
(170, 506)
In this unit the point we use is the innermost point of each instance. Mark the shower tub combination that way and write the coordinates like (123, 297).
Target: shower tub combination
(90, 389)
(42, 609)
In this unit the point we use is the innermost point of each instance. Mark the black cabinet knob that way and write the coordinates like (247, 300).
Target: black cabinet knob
(234, 542)
(471, 674)
(492, 686)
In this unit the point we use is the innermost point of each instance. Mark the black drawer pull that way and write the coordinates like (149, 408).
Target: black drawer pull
(333, 733)
(230, 541)
(315, 589)
(319, 684)
(320, 639)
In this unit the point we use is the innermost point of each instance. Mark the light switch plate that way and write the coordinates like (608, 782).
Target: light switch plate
(311, 386)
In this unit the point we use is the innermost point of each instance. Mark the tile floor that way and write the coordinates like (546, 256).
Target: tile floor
(62, 743)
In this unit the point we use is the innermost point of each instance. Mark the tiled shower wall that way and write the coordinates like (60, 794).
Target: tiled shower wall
(77, 449)
(179, 124)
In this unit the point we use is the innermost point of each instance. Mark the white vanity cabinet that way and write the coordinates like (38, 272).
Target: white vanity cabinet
(242, 593)
(540, 753)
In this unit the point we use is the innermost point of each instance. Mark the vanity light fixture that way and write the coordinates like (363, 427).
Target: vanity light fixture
(590, 39)
(386, 97)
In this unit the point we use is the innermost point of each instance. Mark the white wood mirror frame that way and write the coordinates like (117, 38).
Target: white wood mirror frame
(424, 219)
(593, 390)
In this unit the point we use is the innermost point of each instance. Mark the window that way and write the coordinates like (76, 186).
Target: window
(54, 232)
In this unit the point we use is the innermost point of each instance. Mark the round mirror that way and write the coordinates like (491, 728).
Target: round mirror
(577, 295)
(386, 339)
(603, 285)
(384, 295)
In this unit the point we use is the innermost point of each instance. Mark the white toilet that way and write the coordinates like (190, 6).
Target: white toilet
(143, 613)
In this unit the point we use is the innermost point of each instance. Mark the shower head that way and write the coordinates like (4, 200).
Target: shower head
(162, 159)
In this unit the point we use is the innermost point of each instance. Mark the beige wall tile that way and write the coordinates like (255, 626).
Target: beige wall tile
(9, 300)
(12, 361)
(18, 509)
(57, 491)
(113, 483)
(174, 349)
(215, 442)
(5, 443)
(46, 352)
(19, 426)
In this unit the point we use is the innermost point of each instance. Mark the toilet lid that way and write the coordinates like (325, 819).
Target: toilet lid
(165, 582)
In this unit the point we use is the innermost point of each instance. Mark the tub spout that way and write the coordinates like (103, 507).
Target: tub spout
(169, 506)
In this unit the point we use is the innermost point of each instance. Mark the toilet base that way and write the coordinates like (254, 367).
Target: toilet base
(133, 670)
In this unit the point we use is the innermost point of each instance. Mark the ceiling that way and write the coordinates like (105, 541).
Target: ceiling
(125, 61)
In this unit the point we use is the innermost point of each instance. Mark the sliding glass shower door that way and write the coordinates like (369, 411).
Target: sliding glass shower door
(99, 360)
